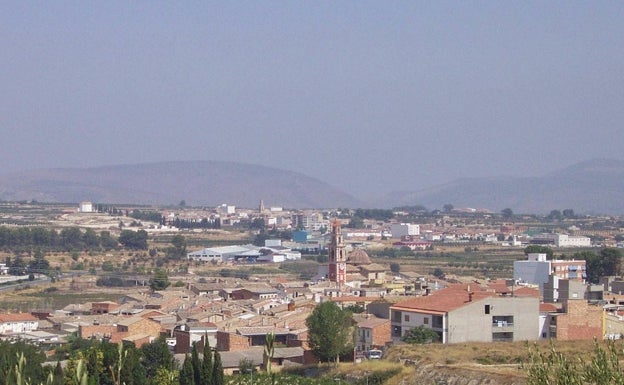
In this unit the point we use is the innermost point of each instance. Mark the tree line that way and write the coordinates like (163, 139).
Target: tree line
(68, 239)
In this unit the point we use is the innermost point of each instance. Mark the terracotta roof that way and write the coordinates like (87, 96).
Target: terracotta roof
(547, 308)
(17, 317)
(524, 291)
(370, 322)
(444, 300)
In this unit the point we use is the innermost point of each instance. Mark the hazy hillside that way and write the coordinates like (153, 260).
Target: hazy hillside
(198, 183)
(595, 186)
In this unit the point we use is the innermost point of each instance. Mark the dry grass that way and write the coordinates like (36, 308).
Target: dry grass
(495, 353)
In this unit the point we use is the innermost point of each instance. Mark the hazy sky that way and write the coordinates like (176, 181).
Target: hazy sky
(365, 95)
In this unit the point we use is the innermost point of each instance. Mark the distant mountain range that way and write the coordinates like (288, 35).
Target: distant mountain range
(198, 183)
(591, 187)
(595, 187)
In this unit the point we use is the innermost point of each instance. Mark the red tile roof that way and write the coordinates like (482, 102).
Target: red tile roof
(524, 291)
(547, 308)
(17, 317)
(445, 300)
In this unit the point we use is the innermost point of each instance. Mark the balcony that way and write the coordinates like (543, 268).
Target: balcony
(502, 324)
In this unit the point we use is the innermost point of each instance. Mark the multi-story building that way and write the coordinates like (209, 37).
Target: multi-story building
(561, 240)
(17, 323)
(399, 230)
(536, 270)
(308, 220)
(574, 270)
(459, 314)
(371, 332)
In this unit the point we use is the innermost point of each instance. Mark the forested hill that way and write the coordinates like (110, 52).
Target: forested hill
(198, 183)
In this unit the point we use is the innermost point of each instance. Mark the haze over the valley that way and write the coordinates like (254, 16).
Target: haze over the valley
(369, 97)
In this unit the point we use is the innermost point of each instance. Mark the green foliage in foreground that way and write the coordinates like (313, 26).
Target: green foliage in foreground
(260, 378)
(420, 335)
(552, 367)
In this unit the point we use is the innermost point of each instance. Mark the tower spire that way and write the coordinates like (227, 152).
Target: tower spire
(337, 257)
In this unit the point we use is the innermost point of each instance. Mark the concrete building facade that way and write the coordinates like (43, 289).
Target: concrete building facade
(464, 316)
(399, 230)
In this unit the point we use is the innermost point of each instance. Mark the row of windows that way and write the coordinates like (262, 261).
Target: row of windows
(436, 320)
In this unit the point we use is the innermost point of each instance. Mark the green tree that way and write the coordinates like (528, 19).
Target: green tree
(91, 239)
(156, 355)
(133, 239)
(31, 369)
(207, 363)
(17, 266)
(395, 267)
(539, 249)
(133, 371)
(448, 208)
(329, 331)
(555, 215)
(217, 370)
(610, 260)
(179, 246)
(257, 224)
(507, 213)
(420, 335)
(606, 263)
(107, 241)
(160, 280)
(355, 223)
(108, 266)
(568, 213)
(71, 238)
(39, 264)
(438, 273)
(197, 368)
(164, 376)
(186, 374)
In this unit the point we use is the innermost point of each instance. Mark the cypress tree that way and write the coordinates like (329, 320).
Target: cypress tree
(197, 367)
(186, 374)
(217, 370)
(207, 364)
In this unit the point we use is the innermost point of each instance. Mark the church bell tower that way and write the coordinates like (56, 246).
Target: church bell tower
(337, 256)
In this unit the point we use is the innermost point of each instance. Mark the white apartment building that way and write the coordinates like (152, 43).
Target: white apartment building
(562, 240)
(399, 230)
(534, 270)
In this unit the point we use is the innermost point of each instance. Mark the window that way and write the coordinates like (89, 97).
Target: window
(487, 309)
(406, 317)
(426, 320)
